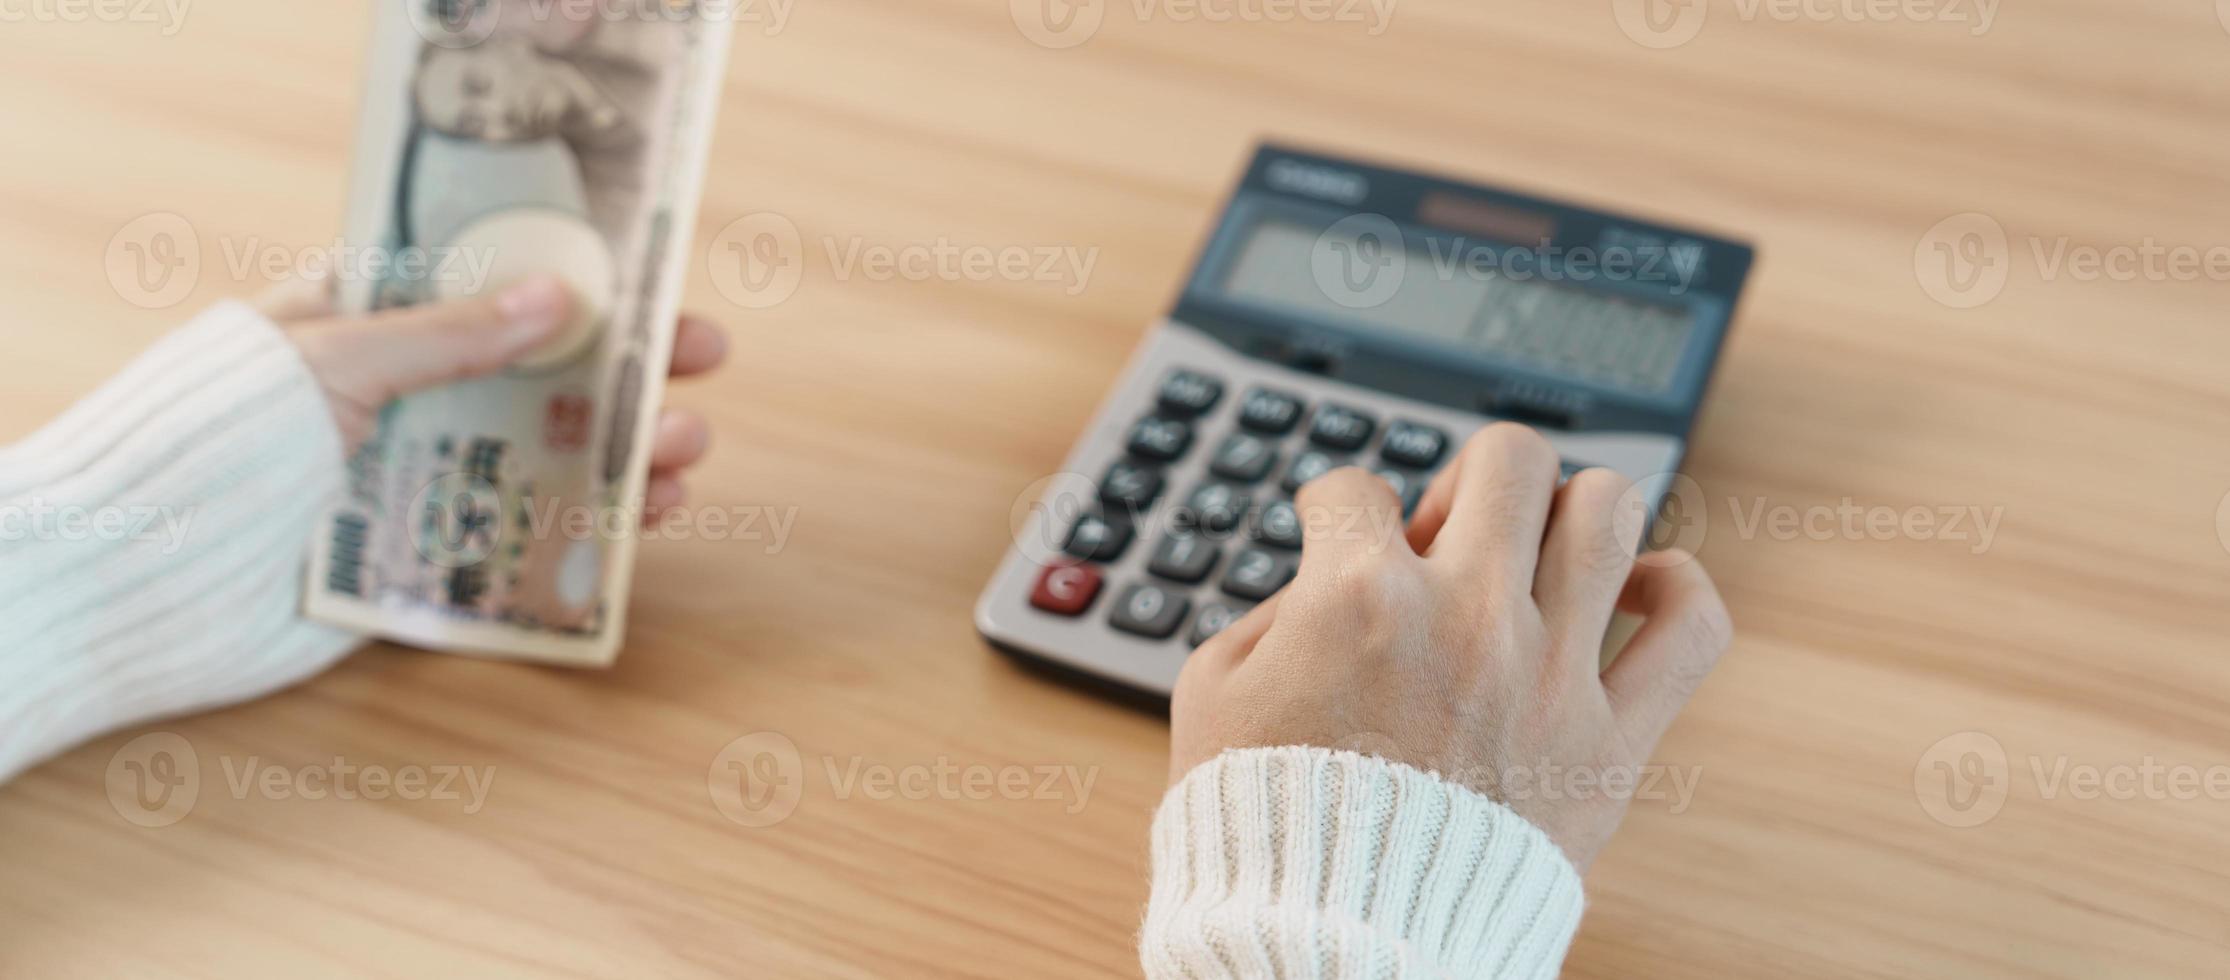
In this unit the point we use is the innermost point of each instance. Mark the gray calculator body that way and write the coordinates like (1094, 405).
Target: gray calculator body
(1347, 314)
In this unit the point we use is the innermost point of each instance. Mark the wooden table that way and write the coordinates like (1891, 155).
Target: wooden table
(901, 417)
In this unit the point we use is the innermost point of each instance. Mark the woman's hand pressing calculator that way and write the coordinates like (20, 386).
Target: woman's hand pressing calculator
(1466, 645)
(1344, 315)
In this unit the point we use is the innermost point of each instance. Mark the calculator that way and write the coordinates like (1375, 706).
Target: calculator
(1346, 314)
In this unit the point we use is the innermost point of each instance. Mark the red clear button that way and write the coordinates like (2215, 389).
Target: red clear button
(1066, 590)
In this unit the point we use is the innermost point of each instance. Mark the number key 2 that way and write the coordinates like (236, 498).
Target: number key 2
(1257, 574)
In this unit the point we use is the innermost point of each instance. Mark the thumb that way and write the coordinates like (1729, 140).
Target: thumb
(393, 353)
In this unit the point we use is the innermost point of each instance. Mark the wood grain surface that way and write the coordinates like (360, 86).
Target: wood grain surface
(898, 417)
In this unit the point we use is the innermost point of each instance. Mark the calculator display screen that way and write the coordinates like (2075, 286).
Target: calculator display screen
(1433, 293)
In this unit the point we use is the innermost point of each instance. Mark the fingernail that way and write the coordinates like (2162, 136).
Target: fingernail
(537, 302)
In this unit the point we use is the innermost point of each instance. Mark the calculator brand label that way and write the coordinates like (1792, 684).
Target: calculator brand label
(1323, 183)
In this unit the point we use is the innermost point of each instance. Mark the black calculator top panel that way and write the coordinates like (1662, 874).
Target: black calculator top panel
(1472, 297)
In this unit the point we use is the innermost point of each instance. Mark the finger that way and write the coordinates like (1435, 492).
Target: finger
(699, 346)
(1686, 630)
(1200, 685)
(1594, 527)
(1498, 504)
(1239, 639)
(292, 300)
(664, 493)
(1346, 516)
(1432, 510)
(382, 356)
(680, 440)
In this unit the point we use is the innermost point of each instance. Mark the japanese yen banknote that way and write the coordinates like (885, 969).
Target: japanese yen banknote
(502, 139)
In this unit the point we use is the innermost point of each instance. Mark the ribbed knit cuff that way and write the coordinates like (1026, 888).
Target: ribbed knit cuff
(151, 539)
(1306, 862)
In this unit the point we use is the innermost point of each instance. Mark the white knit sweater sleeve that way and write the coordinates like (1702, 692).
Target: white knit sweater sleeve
(151, 540)
(1297, 863)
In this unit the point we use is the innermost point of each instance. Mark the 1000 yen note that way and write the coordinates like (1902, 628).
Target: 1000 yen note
(502, 139)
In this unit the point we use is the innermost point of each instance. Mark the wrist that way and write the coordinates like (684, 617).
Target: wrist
(1370, 858)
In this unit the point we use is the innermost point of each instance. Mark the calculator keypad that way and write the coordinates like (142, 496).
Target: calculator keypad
(1066, 590)
(1308, 466)
(1245, 458)
(1158, 438)
(1269, 412)
(1097, 538)
(1412, 445)
(1183, 558)
(1189, 394)
(1232, 535)
(1215, 508)
(1129, 486)
(1409, 486)
(1214, 618)
(1149, 611)
(1343, 429)
(1258, 573)
(1279, 526)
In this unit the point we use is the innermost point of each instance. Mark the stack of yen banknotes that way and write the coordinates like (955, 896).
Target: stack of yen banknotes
(503, 139)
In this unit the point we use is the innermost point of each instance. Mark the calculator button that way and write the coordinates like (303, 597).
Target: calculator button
(1215, 507)
(1279, 526)
(1412, 445)
(1244, 458)
(1160, 438)
(1308, 466)
(1095, 538)
(1188, 394)
(1149, 611)
(1272, 412)
(1130, 486)
(1257, 574)
(1341, 428)
(1066, 590)
(1214, 618)
(1183, 558)
(1409, 486)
